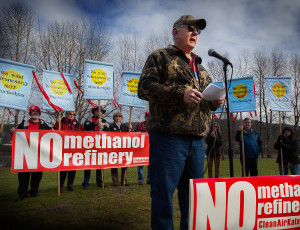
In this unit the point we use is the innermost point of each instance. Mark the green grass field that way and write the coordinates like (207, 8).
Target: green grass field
(111, 208)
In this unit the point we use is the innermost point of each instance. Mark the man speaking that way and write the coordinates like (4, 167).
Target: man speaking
(172, 81)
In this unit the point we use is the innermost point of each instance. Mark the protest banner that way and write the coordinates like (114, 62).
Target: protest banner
(279, 93)
(279, 97)
(271, 202)
(57, 90)
(16, 79)
(241, 95)
(98, 80)
(42, 150)
(128, 92)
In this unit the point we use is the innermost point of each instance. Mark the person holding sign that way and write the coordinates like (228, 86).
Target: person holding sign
(34, 123)
(172, 81)
(290, 152)
(95, 124)
(68, 123)
(141, 127)
(214, 142)
(117, 126)
(252, 147)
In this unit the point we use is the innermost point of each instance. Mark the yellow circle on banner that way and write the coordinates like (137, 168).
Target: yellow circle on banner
(132, 85)
(99, 77)
(279, 90)
(58, 87)
(12, 80)
(240, 91)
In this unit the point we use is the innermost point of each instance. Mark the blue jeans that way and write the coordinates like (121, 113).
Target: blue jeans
(87, 176)
(174, 159)
(295, 169)
(140, 171)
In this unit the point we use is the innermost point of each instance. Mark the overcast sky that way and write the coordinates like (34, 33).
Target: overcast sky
(232, 25)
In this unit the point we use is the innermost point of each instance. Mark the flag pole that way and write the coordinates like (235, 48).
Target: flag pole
(58, 172)
(3, 118)
(125, 174)
(281, 153)
(100, 120)
(243, 150)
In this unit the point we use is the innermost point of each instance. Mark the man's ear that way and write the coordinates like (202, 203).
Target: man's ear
(174, 31)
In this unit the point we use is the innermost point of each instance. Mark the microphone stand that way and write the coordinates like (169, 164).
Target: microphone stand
(230, 149)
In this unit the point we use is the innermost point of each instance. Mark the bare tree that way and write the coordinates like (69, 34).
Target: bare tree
(294, 70)
(129, 57)
(260, 70)
(157, 41)
(16, 35)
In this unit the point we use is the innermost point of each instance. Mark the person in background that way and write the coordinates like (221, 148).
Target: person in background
(141, 127)
(34, 123)
(290, 152)
(214, 142)
(95, 124)
(172, 81)
(117, 126)
(68, 123)
(252, 147)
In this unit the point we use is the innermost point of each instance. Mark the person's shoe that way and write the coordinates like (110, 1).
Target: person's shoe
(126, 184)
(148, 182)
(70, 187)
(85, 187)
(116, 184)
(33, 193)
(21, 197)
(141, 183)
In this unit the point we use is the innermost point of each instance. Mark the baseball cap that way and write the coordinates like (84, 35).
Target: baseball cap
(190, 20)
(34, 107)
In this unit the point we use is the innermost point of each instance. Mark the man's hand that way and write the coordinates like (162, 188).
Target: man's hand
(192, 96)
(218, 102)
(240, 127)
(58, 119)
(13, 130)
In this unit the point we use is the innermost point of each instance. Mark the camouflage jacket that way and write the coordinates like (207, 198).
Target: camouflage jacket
(165, 76)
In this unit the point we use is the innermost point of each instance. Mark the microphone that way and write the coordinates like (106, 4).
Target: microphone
(213, 53)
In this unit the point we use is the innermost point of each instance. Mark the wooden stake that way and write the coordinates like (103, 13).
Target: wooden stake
(58, 172)
(281, 153)
(129, 131)
(243, 151)
(3, 118)
(100, 118)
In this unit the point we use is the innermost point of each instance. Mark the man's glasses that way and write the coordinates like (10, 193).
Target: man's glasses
(192, 29)
(118, 116)
(72, 114)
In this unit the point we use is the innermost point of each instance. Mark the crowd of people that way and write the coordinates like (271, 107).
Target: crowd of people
(96, 123)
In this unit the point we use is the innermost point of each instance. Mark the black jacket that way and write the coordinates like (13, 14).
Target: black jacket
(113, 127)
(290, 148)
(24, 125)
(210, 144)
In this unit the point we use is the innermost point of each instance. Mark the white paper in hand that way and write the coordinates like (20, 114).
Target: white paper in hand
(213, 92)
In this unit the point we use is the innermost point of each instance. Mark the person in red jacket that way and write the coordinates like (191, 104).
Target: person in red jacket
(68, 123)
(34, 123)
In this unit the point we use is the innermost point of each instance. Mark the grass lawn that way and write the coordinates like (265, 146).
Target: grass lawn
(111, 208)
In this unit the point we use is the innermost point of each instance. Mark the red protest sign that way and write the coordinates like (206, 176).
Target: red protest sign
(245, 203)
(43, 150)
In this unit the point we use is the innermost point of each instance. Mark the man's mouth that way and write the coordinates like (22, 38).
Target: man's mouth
(192, 40)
